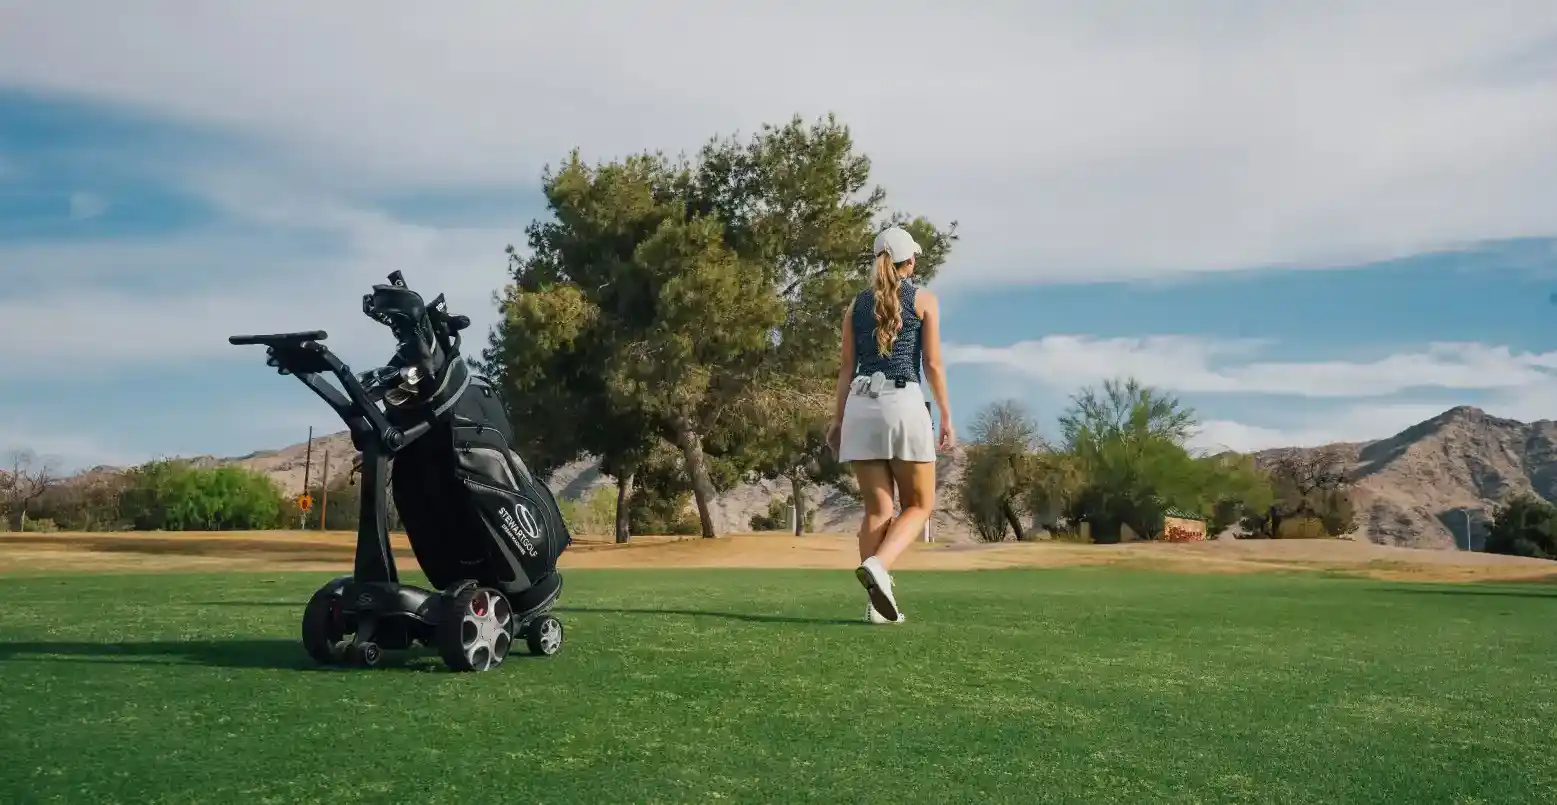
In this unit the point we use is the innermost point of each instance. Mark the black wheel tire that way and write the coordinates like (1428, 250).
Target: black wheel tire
(324, 628)
(369, 655)
(544, 636)
(475, 629)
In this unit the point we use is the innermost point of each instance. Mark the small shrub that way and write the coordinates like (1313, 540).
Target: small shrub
(42, 525)
(1071, 534)
(656, 514)
(776, 518)
(684, 524)
(1302, 528)
(594, 514)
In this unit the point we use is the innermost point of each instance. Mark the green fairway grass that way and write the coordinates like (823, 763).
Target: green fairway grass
(1081, 685)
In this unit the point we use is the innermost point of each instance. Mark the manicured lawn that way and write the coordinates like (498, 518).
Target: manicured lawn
(1088, 686)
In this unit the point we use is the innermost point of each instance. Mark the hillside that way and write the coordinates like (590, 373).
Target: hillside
(1416, 487)
(1412, 489)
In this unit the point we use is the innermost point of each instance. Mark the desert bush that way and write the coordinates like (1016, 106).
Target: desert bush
(1524, 525)
(661, 503)
(84, 504)
(1072, 534)
(594, 514)
(1303, 528)
(776, 518)
(175, 496)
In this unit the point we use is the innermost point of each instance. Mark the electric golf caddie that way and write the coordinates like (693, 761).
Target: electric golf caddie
(485, 532)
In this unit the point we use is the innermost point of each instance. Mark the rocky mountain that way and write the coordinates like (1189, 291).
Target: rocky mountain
(1418, 487)
(1414, 488)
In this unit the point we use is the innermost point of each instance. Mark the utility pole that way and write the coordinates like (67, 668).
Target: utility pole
(324, 490)
(308, 460)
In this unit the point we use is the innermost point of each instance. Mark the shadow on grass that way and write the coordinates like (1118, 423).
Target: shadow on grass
(274, 653)
(693, 613)
(299, 604)
(1536, 591)
(698, 613)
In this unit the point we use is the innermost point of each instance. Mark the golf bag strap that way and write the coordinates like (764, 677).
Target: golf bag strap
(455, 397)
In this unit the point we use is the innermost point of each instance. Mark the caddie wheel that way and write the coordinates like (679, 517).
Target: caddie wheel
(369, 655)
(473, 629)
(544, 636)
(325, 628)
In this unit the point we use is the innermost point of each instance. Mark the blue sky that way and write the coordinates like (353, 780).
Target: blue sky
(1311, 223)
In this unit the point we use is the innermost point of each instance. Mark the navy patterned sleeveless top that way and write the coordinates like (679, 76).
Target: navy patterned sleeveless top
(902, 362)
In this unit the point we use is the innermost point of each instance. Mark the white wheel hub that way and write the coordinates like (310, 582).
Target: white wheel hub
(484, 625)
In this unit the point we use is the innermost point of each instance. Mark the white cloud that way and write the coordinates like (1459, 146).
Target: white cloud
(1517, 385)
(60, 452)
(123, 303)
(1074, 140)
(84, 206)
(1193, 364)
(1360, 423)
(1365, 422)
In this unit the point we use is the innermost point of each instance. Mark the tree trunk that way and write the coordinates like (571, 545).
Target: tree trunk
(1010, 514)
(798, 485)
(691, 444)
(624, 494)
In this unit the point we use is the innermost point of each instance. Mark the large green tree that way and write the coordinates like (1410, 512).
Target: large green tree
(547, 354)
(1233, 490)
(796, 201)
(674, 293)
(1128, 441)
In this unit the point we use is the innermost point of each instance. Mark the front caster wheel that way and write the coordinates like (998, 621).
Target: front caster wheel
(473, 629)
(544, 636)
(367, 655)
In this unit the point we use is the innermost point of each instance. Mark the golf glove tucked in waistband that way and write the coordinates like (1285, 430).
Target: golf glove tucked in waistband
(873, 384)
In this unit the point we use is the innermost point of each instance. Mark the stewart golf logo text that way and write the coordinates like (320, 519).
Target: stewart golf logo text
(522, 528)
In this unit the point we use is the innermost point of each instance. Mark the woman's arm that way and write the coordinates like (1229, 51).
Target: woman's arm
(929, 309)
(845, 364)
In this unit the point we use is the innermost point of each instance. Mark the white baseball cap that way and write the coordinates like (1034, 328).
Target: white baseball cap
(897, 243)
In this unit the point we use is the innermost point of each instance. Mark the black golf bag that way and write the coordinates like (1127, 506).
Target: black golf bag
(471, 508)
(485, 531)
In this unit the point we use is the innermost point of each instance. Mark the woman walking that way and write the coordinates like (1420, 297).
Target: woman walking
(880, 422)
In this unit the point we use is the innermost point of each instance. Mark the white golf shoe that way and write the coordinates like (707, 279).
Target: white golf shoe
(873, 616)
(878, 584)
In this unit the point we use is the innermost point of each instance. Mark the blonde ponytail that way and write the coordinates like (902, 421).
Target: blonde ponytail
(889, 306)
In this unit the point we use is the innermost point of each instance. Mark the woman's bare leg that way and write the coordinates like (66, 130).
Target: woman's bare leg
(916, 487)
(875, 482)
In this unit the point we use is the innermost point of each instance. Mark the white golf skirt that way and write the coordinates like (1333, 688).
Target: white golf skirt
(894, 424)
